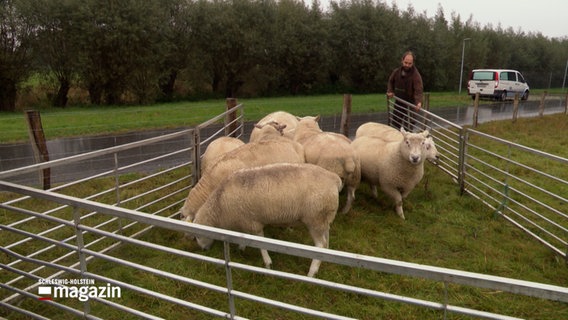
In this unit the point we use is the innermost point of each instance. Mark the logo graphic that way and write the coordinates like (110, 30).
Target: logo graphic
(66, 288)
(42, 291)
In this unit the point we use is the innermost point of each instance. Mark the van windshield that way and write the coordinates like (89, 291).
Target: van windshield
(483, 75)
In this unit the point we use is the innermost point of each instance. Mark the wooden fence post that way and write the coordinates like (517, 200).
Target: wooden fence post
(346, 114)
(39, 145)
(515, 107)
(566, 104)
(475, 110)
(230, 120)
(541, 106)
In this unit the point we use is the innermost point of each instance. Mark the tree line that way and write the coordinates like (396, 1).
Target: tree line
(121, 51)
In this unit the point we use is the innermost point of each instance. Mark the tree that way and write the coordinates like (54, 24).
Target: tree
(56, 50)
(122, 48)
(16, 38)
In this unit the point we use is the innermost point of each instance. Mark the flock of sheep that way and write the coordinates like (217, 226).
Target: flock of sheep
(292, 172)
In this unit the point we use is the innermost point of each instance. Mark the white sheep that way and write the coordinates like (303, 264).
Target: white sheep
(249, 155)
(385, 132)
(331, 151)
(216, 149)
(282, 117)
(395, 166)
(278, 194)
(269, 130)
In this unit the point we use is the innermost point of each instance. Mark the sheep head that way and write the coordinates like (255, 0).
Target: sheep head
(272, 124)
(413, 146)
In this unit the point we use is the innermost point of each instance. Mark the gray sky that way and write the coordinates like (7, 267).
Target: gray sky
(549, 17)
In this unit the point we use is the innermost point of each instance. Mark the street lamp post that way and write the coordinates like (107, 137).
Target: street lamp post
(461, 70)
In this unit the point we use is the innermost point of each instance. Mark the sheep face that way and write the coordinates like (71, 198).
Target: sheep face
(413, 147)
(431, 150)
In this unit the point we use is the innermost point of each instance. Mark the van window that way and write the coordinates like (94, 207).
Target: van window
(483, 75)
(520, 77)
(506, 75)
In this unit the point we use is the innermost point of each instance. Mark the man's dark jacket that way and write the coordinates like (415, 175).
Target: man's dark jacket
(406, 85)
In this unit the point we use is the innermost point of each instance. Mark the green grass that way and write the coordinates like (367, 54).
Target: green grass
(79, 121)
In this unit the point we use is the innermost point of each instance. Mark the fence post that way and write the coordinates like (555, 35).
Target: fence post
(566, 104)
(475, 110)
(346, 115)
(388, 112)
(80, 248)
(426, 106)
(541, 106)
(196, 136)
(516, 108)
(230, 120)
(461, 158)
(39, 145)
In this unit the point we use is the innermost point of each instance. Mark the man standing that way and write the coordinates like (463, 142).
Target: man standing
(405, 82)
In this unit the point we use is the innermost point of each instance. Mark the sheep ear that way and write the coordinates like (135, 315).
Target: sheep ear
(317, 118)
(426, 133)
(402, 130)
(258, 126)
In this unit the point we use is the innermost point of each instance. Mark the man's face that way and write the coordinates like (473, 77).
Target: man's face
(407, 62)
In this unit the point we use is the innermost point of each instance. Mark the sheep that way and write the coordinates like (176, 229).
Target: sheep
(249, 155)
(374, 129)
(217, 148)
(331, 151)
(278, 194)
(282, 117)
(396, 166)
(268, 130)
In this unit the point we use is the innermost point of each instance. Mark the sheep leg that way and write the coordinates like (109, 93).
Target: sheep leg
(396, 195)
(266, 258)
(350, 198)
(399, 210)
(321, 240)
(264, 253)
(374, 191)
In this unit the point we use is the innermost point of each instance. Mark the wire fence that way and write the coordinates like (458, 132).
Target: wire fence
(92, 228)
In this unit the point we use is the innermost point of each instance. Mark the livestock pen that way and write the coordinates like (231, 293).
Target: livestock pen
(117, 227)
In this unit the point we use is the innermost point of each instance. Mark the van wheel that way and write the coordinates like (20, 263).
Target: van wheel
(503, 96)
(525, 95)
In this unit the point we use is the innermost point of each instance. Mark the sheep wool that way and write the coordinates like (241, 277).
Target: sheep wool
(331, 151)
(278, 194)
(283, 118)
(395, 166)
(216, 149)
(253, 154)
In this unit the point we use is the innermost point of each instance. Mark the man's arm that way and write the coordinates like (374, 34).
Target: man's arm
(418, 89)
(390, 85)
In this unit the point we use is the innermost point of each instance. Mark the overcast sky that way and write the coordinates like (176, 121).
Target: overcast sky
(549, 17)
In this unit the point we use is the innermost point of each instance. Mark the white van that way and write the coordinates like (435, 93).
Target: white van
(497, 84)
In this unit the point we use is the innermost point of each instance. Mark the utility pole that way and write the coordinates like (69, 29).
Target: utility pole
(461, 70)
